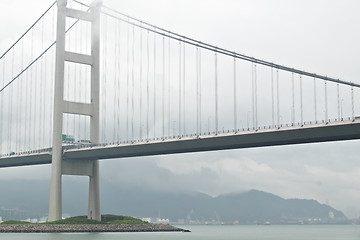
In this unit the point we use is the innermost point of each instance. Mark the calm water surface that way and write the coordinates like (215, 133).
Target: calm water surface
(272, 232)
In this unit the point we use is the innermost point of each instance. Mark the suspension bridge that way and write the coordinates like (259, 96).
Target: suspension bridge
(86, 83)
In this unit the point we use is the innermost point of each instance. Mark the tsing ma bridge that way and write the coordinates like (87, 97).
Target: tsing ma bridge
(122, 87)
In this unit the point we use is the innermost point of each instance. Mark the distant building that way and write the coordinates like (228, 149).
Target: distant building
(1, 220)
(31, 220)
(156, 220)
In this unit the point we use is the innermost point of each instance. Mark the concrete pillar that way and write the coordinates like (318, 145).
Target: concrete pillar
(55, 204)
(94, 181)
(94, 193)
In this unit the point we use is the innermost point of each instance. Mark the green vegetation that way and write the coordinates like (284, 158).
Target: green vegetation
(76, 220)
(114, 219)
(15, 222)
(105, 219)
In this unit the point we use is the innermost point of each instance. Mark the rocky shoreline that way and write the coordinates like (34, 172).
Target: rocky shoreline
(78, 228)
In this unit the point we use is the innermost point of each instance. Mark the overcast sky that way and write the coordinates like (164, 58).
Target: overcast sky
(318, 36)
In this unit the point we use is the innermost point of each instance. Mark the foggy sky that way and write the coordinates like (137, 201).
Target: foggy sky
(316, 36)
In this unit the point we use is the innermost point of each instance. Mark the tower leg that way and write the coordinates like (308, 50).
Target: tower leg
(55, 207)
(94, 193)
(55, 204)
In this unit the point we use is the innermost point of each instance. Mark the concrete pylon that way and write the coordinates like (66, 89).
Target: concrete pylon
(61, 166)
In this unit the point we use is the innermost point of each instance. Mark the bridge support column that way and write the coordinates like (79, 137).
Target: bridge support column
(62, 166)
(94, 193)
(55, 204)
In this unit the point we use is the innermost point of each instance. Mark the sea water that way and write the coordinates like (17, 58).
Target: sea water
(241, 232)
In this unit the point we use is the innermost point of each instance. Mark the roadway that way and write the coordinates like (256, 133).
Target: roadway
(335, 131)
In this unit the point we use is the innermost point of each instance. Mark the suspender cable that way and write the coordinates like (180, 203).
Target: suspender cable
(200, 90)
(51, 93)
(115, 97)
(24, 112)
(83, 99)
(75, 116)
(293, 100)
(301, 102)
(31, 91)
(11, 102)
(133, 85)
(315, 103)
(44, 106)
(140, 81)
(35, 130)
(66, 117)
(44, 117)
(169, 82)
(179, 89)
(184, 90)
(253, 95)
(147, 86)
(352, 103)
(216, 95)
(119, 82)
(163, 92)
(116, 107)
(79, 117)
(42, 87)
(272, 98)
(127, 81)
(256, 104)
(18, 104)
(278, 97)
(41, 128)
(326, 103)
(154, 85)
(235, 114)
(35, 80)
(52, 74)
(20, 101)
(197, 91)
(338, 100)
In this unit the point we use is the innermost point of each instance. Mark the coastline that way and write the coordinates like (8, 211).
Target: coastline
(83, 228)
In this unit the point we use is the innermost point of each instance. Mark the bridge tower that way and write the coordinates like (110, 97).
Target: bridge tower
(61, 166)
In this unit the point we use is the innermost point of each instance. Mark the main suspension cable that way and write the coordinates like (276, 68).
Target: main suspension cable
(182, 38)
(28, 30)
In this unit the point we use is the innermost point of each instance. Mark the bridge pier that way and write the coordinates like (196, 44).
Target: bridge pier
(61, 166)
(94, 193)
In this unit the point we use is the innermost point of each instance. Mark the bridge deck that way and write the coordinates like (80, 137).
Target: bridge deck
(336, 131)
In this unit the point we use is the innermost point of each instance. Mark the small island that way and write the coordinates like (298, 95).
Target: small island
(108, 223)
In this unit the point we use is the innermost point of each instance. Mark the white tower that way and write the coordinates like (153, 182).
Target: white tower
(61, 166)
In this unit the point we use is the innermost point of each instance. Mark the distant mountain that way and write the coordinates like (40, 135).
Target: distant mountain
(20, 200)
(246, 208)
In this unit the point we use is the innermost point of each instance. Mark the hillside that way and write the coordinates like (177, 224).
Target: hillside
(30, 200)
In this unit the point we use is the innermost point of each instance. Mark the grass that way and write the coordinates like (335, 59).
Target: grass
(105, 219)
(15, 222)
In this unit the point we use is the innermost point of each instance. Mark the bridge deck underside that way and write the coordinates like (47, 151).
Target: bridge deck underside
(274, 137)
